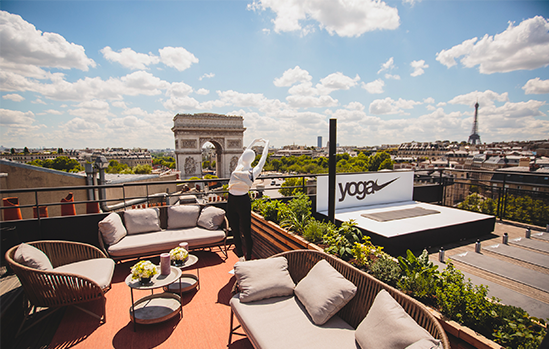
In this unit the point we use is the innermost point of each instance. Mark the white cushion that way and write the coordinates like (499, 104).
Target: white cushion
(112, 229)
(211, 218)
(388, 326)
(426, 344)
(141, 220)
(263, 278)
(99, 270)
(324, 291)
(32, 257)
(183, 216)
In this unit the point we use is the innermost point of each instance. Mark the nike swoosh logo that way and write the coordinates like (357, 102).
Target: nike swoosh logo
(377, 187)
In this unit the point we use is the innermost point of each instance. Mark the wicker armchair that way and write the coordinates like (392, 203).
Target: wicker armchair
(301, 261)
(51, 289)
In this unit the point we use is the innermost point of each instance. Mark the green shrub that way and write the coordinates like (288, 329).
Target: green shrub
(365, 253)
(517, 329)
(386, 270)
(291, 182)
(419, 276)
(341, 241)
(315, 230)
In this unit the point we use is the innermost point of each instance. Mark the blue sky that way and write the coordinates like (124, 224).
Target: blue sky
(78, 74)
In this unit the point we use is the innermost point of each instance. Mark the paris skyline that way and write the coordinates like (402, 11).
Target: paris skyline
(114, 74)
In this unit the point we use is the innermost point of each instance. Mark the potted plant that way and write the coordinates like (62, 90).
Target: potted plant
(178, 256)
(144, 271)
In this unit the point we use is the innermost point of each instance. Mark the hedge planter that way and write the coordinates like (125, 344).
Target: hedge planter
(269, 239)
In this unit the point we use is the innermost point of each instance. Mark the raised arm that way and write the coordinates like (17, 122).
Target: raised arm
(259, 167)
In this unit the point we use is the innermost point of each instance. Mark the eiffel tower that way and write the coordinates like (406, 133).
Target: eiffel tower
(474, 137)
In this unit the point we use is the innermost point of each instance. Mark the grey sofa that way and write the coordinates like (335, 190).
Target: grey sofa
(144, 232)
(332, 305)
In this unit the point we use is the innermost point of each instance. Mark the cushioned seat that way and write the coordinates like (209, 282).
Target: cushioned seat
(283, 322)
(99, 270)
(143, 244)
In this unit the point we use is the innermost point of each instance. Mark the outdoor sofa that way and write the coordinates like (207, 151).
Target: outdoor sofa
(143, 232)
(332, 305)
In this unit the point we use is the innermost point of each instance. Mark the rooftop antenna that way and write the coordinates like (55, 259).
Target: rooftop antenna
(474, 137)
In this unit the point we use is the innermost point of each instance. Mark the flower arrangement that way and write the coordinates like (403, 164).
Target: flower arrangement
(143, 270)
(179, 254)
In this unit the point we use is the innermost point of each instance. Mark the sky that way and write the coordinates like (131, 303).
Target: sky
(77, 74)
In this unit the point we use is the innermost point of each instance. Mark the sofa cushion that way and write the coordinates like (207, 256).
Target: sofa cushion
(183, 216)
(388, 326)
(32, 257)
(263, 278)
(282, 322)
(426, 344)
(99, 270)
(164, 241)
(112, 229)
(211, 218)
(324, 291)
(141, 220)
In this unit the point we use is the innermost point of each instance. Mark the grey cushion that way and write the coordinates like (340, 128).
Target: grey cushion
(141, 220)
(426, 344)
(112, 229)
(211, 218)
(164, 241)
(183, 216)
(263, 278)
(388, 326)
(99, 270)
(282, 322)
(32, 257)
(324, 291)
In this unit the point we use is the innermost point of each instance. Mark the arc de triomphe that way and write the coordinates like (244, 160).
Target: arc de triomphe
(191, 131)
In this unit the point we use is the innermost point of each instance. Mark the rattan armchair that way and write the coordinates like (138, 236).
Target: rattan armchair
(54, 290)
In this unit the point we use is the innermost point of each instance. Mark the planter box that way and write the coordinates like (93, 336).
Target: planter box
(270, 239)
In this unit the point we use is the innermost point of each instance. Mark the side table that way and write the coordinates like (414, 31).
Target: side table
(187, 282)
(158, 307)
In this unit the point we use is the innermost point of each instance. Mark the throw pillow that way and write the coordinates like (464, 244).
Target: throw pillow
(141, 220)
(324, 291)
(211, 218)
(263, 278)
(426, 344)
(183, 216)
(112, 228)
(32, 257)
(388, 326)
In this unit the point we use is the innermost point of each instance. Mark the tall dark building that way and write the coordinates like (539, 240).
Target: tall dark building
(319, 142)
(474, 138)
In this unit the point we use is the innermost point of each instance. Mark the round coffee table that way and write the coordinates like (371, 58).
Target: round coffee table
(187, 282)
(158, 307)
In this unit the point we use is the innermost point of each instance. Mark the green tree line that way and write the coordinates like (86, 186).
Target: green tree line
(117, 167)
(61, 163)
(345, 163)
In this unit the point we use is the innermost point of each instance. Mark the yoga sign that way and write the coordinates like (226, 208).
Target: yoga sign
(366, 189)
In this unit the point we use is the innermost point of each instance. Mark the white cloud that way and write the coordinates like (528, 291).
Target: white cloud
(24, 48)
(311, 101)
(181, 103)
(129, 58)
(389, 65)
(292, 76)
(522, 47)
(374, 87)
(429, 100)
(177, 57)
(79, 125)
(202, 91)
(38, 101)
(536, 87)
(390, 106)
(15, 118)
(119, 104)
(355, 106)
(179, 89)
(345, 18)
(53, 111)
(206, 76)
(410, 2)
(394, 77)
(336, 81)
(419, 67)
(484, 99)
(14, 97)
